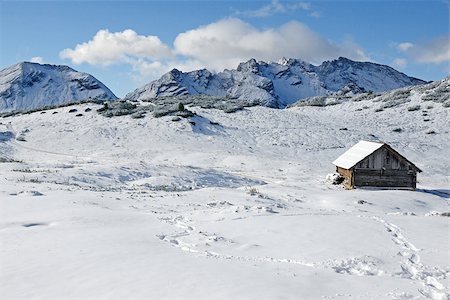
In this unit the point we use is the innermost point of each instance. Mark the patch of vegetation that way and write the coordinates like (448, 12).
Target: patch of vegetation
(252, 191)
(49, 107)
(397, 130)
(171, 106)
(28, 170)
(117, 108)
(322, 101)
(414, 108)
(439, 94)
(9, 160)
(204, 101)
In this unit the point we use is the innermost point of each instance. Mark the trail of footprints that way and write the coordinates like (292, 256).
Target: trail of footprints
(413, 268)
(187, 238)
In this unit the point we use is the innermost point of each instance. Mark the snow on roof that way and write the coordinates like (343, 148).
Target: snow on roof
(357, 153)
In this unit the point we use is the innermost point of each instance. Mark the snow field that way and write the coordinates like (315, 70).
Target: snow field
(121, 208)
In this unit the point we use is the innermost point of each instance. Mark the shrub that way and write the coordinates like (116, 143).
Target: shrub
(252, 191)
(414, 108)
(334, 178)
(103, 108)
(138, 115)
(181, 107)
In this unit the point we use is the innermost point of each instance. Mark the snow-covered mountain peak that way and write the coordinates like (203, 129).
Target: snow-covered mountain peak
(28, 85)
(250, 66)
(279, 84)
(283, 61)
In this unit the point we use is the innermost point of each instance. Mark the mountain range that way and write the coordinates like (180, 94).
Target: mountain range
(26, 85)
(278, 84)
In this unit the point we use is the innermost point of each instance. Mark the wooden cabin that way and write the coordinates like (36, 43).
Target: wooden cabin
(376, 164)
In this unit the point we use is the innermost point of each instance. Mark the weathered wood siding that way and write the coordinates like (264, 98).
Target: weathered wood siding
(384, 168)
(383, 158)
(384, 178)
(348, 177)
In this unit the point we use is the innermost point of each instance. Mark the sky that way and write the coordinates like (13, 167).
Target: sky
(126, 44)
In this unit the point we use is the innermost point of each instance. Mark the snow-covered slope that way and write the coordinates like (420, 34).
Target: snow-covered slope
(427, 94)
(27, 85)
(223, 206)
(278, 84)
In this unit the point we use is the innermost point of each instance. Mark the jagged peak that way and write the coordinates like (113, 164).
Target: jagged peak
(283, 61)
(250, 65)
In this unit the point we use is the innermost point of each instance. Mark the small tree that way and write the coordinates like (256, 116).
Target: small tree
(180, 106)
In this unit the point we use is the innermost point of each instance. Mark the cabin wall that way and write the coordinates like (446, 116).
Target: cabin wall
(385, 178)
(383, 168)
(348, 177)
(384, 158)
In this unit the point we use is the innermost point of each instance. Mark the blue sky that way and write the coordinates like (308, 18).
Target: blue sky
(128, 43)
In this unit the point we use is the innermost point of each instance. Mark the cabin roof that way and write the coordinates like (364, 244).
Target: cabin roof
(361, 150)
(357, 153)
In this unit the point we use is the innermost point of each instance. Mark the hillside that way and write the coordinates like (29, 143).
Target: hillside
(26, 86)
(223, 205)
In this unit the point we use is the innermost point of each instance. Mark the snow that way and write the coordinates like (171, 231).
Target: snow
(118, 208)
(278, 84)
(357, 153)
(26, 86)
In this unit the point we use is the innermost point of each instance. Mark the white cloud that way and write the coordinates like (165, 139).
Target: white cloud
(155, 69)
(400, 63)
(219, 45)
(107, 48)
(299, 5)
(225, 43)
(405, 46)
(37, 59)
(275, 7)
(437, 51)
(315, 14)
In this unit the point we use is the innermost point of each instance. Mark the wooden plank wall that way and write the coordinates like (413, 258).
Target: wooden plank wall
(388, 178)
(384, 158)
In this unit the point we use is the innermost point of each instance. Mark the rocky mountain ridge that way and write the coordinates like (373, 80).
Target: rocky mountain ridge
(278, 84)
